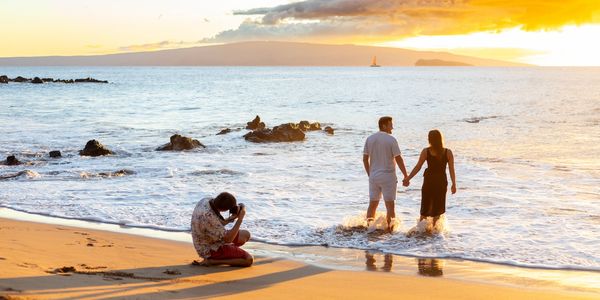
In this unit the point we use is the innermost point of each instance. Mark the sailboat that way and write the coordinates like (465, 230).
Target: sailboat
(374, 62)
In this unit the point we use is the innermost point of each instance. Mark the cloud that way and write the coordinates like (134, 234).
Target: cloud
(384, 20)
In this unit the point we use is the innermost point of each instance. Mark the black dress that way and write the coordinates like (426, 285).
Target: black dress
(435, 185)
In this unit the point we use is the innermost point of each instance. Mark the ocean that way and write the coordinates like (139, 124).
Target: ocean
(526, 143)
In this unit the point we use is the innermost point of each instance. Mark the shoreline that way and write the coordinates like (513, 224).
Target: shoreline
(573, 283)
(184, 236)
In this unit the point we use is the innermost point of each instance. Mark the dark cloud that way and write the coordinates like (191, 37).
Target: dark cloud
(379, 20)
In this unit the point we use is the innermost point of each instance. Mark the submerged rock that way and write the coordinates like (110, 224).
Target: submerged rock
(224, 131)
(55, 154)
(256, 124)
(179, 142)
(94, 148)
(118, 173)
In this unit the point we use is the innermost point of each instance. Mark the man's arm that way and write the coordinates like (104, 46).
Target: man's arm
(401, 165)
(230, 235)
(366, 163)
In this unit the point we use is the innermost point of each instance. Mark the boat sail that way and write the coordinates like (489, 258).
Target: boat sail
(374, 62)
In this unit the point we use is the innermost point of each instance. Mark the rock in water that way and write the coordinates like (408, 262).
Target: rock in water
(256, 124)
(3, 79)
(224, 131)
(329, 130)
(12, 161)
(55, 154)
(288, 132)
(94, 148)
(179, 142)
(37, 80)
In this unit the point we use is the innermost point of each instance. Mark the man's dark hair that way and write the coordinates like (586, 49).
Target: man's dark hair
(384, 121)
(224, 201)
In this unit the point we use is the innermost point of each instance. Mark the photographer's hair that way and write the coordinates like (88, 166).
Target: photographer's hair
(384, 121)
(224, 201)
(436, 141)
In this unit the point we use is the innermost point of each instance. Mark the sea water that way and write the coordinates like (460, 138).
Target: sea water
(526, 143)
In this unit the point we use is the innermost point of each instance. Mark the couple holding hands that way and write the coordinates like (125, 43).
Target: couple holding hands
(381, 154)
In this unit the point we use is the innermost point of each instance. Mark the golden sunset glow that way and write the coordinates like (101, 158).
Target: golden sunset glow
(533, 31)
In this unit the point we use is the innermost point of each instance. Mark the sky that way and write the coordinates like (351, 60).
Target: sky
(540, 32)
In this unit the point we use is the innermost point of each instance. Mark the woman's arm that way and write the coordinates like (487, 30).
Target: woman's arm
(419, 164)
(450, 157)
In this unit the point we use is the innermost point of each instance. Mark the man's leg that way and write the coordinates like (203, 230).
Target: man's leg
(372, 209)
(242, 237)
(391, 213)
(374, 196)
(230, 255)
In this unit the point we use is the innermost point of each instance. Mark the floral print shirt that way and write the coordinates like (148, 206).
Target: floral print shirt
(207, 230)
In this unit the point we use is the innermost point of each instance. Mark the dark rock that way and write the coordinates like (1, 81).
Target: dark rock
(12, 161)
(179, 143)
(47, 80)
(288, 132)
(94, 148)
(37, 80)
(21, 79)
(328, 129)
(307, 126)
(89, 79)
(3, 79)
(55, 154)
(224, 131)
(256, 124)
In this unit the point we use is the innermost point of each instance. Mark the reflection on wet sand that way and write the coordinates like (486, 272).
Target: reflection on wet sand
(430, 267)
(370, 261)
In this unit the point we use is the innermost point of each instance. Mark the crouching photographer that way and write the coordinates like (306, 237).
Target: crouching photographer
(212, 241)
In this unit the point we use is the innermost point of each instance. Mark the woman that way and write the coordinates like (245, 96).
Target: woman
(435, 183)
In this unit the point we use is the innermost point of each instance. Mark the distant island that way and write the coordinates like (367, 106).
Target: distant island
(259, 54)
(440, 63)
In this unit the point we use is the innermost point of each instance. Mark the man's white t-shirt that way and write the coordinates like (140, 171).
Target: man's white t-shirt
(382, 148)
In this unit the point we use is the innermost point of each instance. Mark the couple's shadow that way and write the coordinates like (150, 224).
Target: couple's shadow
(430, 267)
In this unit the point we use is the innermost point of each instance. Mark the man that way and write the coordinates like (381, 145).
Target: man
(380, 156)
(212, 241)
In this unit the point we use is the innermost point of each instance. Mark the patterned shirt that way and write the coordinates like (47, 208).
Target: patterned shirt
(207, 230)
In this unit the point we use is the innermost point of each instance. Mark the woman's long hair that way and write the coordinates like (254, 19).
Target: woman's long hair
(436, 142)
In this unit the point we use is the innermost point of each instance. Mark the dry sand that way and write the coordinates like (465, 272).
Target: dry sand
(54, 261)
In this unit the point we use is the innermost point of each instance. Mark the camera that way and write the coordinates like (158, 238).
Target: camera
(236, 209)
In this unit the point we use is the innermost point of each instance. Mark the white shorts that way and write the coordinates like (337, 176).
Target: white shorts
(386, 186)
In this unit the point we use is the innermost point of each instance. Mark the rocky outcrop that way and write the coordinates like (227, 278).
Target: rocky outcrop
(288, 132)
(94, 148)
(11, 161)
(329, 130)
(256, 124)
(38, 80)
(179, 142)
(55, 154)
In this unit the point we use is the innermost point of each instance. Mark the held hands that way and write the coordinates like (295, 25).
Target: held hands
(405, 181)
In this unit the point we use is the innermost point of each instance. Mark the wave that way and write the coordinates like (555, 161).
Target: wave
(25, 173)
(216, 172)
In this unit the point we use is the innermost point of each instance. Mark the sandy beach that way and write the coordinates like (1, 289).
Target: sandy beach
(55, 261)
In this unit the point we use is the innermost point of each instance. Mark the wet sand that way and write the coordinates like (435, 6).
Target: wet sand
(56, 261)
